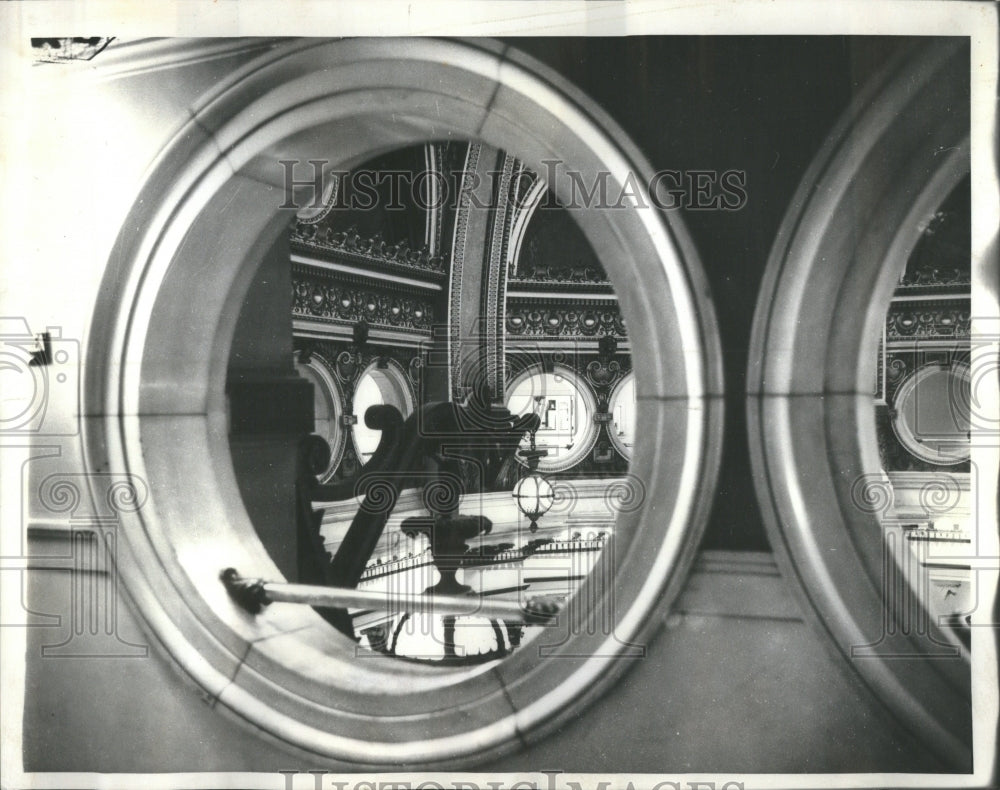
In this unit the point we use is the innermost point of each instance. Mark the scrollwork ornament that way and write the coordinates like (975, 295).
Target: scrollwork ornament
(603, 374)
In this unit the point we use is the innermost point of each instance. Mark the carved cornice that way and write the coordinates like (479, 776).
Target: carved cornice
(936, 277)
(562, 275)
(372, 253)
(321, 297)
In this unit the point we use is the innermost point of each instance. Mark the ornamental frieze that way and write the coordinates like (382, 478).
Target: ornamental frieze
(322, 298)
(538, 320)
(944, 320)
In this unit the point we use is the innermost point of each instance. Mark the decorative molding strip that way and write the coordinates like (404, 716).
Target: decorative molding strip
(528, 189)
(473, 559)
(957, 344)
(364, 275)
(928, 276)
(597, 293)
(553, 343)
(459, 242)
(936, 296)
(494, 294)
(433, 164)
(564, 275)
(312, 216)
(342, 332)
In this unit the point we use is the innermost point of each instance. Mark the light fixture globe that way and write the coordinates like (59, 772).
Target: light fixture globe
(534, 496)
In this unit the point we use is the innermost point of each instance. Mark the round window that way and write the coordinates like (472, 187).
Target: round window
(931, 415)
(565, 407)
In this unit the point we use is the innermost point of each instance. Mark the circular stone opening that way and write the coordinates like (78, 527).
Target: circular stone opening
(164, 415)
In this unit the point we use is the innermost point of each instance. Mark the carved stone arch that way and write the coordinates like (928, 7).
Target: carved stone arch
(837, 259)
(484, 255)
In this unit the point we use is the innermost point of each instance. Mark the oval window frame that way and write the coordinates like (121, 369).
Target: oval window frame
(284, 672)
